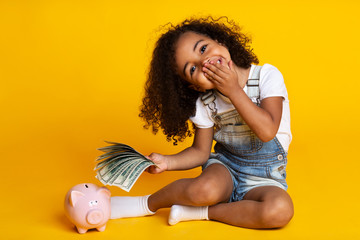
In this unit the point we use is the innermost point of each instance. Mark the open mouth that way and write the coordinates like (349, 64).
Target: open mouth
(222, 62)
(219, 60)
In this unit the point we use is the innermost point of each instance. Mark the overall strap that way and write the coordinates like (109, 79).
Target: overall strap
(252, 84)
(208, 97)
(253, 91)
(208, 100)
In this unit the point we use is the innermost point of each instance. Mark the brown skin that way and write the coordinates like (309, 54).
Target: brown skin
(228, 79)
(262, 207)
(169, 101)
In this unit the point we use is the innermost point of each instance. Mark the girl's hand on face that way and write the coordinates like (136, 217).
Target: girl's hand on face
(160, 161)
(225, 79)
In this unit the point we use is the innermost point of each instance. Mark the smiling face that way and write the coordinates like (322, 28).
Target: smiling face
(193, 50)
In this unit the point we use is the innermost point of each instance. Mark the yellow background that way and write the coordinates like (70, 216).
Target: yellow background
(72, 75)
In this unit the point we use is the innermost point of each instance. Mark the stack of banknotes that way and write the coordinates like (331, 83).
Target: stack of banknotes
(120, 165)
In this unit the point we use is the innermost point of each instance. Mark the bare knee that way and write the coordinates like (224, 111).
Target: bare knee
(214, 185)
(204, 192)
(277, 212)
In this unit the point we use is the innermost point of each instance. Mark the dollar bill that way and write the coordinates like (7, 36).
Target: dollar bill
(120, 165)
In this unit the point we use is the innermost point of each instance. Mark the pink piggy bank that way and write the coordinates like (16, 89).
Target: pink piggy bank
(88, 206)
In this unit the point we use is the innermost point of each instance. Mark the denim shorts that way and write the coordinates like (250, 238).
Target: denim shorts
(251, 162)
(264, 167)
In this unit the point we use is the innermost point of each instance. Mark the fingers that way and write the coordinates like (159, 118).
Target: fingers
(215, 71)
(216, 68)
(154, 170)
(153, 157)
(210, 73)
(151, 169)
(159, 161)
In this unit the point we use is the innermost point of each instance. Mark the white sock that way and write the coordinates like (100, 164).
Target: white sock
(186, 213)
(122, 207)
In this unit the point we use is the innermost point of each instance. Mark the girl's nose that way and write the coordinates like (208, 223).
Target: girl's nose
(205, 61)
(208, 59)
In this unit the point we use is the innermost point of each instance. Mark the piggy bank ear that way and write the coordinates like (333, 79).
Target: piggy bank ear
(74, 197)
(105, 191)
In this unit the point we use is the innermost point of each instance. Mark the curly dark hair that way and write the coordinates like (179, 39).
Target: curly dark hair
(169, 102)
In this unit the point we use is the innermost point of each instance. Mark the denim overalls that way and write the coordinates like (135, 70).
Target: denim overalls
(251, 162)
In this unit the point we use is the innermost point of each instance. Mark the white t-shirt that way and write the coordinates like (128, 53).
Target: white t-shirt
(271, 85)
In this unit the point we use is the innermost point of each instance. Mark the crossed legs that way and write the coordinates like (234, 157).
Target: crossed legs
(262, 207)
(214, 185)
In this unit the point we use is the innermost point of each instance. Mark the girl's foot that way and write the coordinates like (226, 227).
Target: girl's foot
(187, 213)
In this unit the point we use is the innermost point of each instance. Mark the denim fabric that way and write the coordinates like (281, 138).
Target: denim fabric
(251, 162)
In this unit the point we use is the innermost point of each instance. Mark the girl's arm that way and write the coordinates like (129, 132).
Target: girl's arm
(264, 121)
(190, 157)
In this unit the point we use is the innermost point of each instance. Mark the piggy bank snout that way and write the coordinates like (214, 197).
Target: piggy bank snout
(94, 216)
(88, 206)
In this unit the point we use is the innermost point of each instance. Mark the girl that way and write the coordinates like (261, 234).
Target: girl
(203, 70)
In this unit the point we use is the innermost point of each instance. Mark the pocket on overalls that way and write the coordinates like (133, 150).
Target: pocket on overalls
(277, 171)
(238, 139)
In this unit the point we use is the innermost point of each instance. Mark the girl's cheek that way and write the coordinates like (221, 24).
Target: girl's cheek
(205, 77)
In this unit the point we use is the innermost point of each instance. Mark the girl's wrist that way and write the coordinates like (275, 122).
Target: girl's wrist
(235, 93)
(168, 161)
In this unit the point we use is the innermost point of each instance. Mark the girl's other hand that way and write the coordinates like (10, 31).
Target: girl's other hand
(224, 78)
(160, 161)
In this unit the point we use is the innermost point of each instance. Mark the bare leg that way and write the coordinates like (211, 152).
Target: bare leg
(262, 207)
(214, 185)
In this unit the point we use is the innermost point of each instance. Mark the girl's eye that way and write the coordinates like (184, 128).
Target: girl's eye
(192, 69)
(203, 48)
